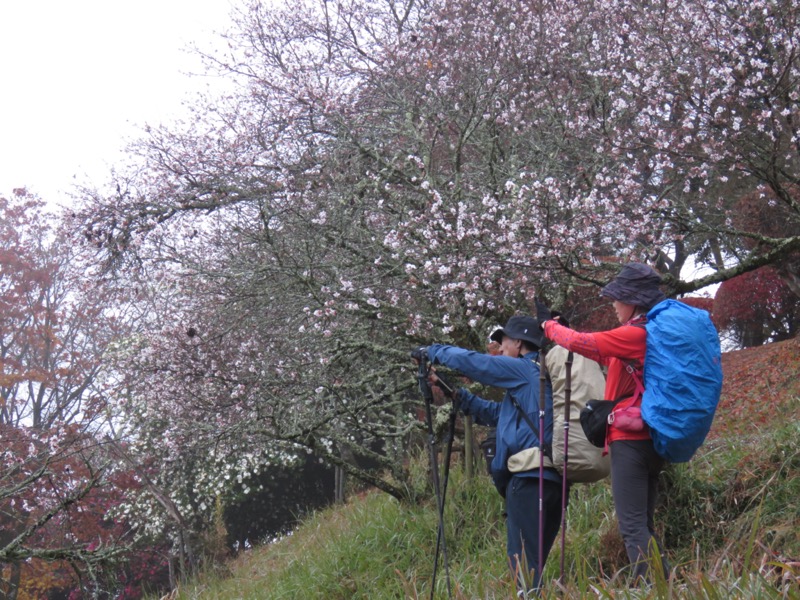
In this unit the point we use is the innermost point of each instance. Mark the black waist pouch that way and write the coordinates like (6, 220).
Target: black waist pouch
(594, 420)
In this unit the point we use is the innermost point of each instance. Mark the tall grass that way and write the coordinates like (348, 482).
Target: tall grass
(730, 524)
(376, 547)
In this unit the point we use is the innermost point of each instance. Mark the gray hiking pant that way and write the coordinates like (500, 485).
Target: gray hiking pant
(635, 467)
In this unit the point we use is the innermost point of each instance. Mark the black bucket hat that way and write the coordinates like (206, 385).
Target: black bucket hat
(637, 285)
(520, 327)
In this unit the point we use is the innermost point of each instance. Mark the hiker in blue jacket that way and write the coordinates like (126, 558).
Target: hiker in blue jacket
(517, 371)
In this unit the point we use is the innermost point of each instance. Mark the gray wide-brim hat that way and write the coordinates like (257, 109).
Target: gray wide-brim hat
(637, 285)
(520, 327)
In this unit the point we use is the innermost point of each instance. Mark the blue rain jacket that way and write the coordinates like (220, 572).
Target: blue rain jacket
(520, 378)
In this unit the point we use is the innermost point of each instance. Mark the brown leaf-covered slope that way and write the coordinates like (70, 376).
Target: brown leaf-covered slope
(761, 387)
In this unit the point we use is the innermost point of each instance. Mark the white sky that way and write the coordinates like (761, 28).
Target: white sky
(78, 78)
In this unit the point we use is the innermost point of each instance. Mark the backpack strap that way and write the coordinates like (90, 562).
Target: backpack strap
(548, 448)
(632, 367)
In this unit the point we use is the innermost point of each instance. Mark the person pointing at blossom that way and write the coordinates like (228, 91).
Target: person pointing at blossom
(516, 370)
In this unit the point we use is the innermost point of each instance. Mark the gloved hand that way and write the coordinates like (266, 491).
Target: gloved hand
(420, 353)
(542, 312)
(559, 317)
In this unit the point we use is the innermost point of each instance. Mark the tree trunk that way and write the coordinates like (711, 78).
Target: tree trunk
(791, 277)
(338, 489)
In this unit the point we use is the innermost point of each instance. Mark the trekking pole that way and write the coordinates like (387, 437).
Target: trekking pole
(542, 388)
(451, 433)
(427, 394)
(567, 415)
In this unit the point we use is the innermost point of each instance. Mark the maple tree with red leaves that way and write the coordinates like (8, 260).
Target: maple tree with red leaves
(756, 308)
(59, 480)
(765, 213)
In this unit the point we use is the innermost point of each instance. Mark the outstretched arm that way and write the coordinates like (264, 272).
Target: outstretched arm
(584, 344)
(499, 371)
(625, 342)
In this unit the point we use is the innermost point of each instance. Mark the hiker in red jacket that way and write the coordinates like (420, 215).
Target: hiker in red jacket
(635, 465)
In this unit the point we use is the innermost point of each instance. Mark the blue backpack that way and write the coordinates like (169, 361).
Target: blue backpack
(682, 378)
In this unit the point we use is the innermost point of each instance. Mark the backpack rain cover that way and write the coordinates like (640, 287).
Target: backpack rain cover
(682, 378)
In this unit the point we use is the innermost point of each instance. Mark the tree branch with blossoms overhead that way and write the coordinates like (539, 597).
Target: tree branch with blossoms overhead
(423, 185)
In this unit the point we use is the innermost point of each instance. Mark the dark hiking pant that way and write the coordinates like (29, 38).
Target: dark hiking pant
(522, 526)
(635, 467)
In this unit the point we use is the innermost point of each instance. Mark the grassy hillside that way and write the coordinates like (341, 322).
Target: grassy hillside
(730, 521)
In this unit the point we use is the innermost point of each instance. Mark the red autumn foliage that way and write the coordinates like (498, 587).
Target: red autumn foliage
(58, 466)
(706, 304)
(587, 310)
(764, 213)
(757, 307)
(59, 486)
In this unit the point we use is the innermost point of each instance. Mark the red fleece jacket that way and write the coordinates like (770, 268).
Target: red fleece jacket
(615, 349)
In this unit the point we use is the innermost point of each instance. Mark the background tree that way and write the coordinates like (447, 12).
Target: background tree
(766, 214)
(757, 307)
(53, 322)
(56, 323)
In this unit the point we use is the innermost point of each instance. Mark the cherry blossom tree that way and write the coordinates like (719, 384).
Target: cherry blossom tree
(390, 173)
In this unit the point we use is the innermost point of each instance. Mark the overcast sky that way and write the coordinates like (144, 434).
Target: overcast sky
(79, 77)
